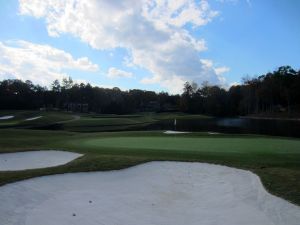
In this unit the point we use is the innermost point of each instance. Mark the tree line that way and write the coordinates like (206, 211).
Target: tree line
(277, 91)
(274, 92)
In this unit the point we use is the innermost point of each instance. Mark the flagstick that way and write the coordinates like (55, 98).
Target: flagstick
(175, 122)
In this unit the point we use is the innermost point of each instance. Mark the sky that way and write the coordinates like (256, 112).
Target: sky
(147, 44)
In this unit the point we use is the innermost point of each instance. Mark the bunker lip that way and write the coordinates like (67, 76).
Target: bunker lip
(213, 133)
(33, 118)
(6, 117)
(175, 132)
(35, 159)
(153, 193)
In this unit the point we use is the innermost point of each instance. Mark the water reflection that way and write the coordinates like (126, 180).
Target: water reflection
(231, 122)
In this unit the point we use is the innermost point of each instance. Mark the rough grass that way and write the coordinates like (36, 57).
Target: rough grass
(275, 160)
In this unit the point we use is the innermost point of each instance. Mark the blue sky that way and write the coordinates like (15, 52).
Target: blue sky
(147, 44)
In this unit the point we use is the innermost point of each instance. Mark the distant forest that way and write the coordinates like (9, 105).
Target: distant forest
(274, 92)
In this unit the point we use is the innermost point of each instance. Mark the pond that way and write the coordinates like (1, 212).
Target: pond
(275, 127)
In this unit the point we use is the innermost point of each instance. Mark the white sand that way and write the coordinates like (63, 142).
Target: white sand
(33, 118)
(213, 133)
(175, 132)
(156, 193)
(6, 117)
(35, 159)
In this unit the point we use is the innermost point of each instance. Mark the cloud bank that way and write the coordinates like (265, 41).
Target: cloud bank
(154, 33)
(38, 63)
(116, 73)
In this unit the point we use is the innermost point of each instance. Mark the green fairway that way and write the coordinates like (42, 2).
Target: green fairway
(239, 145)
(275, 160)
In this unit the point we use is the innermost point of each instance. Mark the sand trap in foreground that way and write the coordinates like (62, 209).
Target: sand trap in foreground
(6, 117)
(175, 132)
(156, 193)
(33, 118)
(35, 159)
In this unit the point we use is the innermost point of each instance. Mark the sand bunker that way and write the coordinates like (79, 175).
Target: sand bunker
(6, 117)
(175, 132)
(33, 118)
(156, 193)
(35, 159)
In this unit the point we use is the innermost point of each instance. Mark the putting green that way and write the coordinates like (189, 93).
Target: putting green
(200, 144)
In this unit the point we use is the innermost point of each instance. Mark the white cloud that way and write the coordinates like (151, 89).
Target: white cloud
(116, 73)
(39, 63)
(179, 12)
(152, 31)
(234, 84)
(221, 70)
(209, 65)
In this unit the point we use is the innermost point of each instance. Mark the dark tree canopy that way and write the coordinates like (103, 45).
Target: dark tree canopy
(277, 91)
